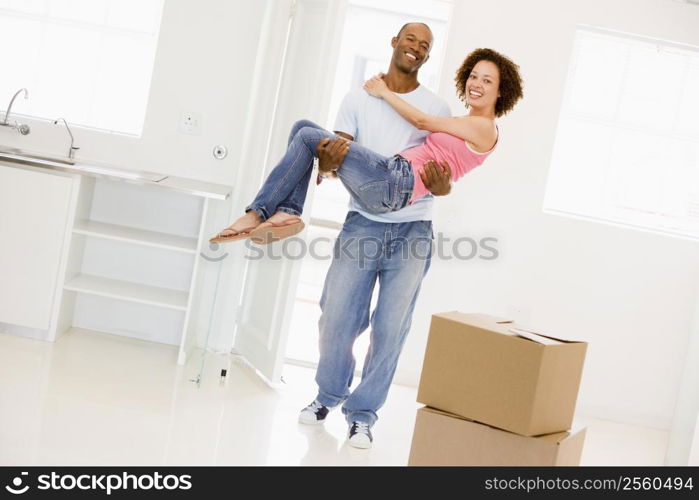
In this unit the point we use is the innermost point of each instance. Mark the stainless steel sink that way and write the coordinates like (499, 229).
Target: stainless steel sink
(68, 164)
(36, 156)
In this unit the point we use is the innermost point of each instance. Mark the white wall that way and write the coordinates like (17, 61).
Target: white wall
(630, 294)
(204, 61)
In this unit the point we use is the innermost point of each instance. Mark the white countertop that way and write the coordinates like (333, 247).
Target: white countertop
(98, 169)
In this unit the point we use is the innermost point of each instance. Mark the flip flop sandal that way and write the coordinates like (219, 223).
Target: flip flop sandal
(231, 237)
(274, 231)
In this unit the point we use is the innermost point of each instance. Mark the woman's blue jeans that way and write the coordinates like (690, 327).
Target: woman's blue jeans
(378, 183)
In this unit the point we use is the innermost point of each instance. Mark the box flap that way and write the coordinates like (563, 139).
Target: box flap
(504, 326)
(560, 340)
(429, 409)
(534, 336)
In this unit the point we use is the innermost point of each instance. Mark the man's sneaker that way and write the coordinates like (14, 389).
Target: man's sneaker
(360, 435)
(314, 413)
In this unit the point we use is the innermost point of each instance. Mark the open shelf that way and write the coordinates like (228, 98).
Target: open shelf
(135, 235)
(125, 290)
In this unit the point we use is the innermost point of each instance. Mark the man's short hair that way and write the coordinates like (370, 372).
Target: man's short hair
(408, 24)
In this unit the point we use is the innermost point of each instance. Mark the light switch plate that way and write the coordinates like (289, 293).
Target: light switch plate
(190, 123)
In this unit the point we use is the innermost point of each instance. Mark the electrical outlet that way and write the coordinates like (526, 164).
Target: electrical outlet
(190, 123)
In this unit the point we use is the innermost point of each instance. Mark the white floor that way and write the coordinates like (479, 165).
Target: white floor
(97, 399)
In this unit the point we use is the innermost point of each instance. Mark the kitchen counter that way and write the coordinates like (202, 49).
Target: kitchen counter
(103, 170)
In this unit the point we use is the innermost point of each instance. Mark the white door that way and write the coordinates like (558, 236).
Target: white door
(34, 213)
(303, 92)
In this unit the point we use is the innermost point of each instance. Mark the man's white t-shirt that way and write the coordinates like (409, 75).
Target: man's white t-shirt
(376, 125)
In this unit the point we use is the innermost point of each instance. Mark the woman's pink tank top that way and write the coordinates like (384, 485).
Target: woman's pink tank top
(439, 147)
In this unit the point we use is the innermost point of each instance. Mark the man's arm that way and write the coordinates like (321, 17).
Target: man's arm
(331, 153)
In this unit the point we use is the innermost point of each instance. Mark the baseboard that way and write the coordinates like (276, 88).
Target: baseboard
(23, 331)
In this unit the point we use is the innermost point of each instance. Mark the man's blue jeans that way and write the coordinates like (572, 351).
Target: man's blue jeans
(397, 255)
(378, 183)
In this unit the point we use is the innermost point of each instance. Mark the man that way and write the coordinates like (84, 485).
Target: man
(371, 248)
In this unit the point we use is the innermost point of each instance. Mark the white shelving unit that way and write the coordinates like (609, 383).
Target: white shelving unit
(136, 236)
(133, 264)
(125, 290)
(112, 251)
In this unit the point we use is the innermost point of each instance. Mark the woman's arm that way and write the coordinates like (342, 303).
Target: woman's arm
(474, 129)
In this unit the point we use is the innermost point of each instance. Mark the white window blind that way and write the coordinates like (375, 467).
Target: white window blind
(89, 61)
(627, 142)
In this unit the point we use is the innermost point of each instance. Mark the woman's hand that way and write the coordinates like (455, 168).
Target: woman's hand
(375, 86)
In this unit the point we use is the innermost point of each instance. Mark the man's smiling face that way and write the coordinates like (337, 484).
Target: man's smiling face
(411, 48)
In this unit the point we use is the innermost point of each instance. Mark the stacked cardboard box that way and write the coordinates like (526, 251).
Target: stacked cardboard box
(496, 394)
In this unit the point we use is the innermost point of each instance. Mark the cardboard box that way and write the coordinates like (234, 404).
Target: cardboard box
(496, 372)
(443, 439)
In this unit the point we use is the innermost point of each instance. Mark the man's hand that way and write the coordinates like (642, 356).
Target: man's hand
(437, 178)
(331, 154)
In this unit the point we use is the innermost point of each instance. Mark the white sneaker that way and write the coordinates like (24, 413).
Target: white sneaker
(314, 413)
(359, 435)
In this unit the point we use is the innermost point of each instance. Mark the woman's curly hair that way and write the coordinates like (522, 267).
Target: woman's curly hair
(510, 81)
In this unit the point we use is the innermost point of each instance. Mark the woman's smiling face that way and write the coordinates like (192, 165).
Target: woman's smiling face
(482, 86)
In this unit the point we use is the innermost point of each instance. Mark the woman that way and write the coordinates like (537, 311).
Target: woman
(488, 82)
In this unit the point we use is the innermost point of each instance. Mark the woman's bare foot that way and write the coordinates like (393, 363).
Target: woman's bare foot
(244, 224)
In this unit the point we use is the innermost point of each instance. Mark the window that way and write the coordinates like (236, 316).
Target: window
(365, 50)
(627, 143)
(89, 61)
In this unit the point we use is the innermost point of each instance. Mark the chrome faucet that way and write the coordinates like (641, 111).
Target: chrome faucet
(20, 127)
(73, 149)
